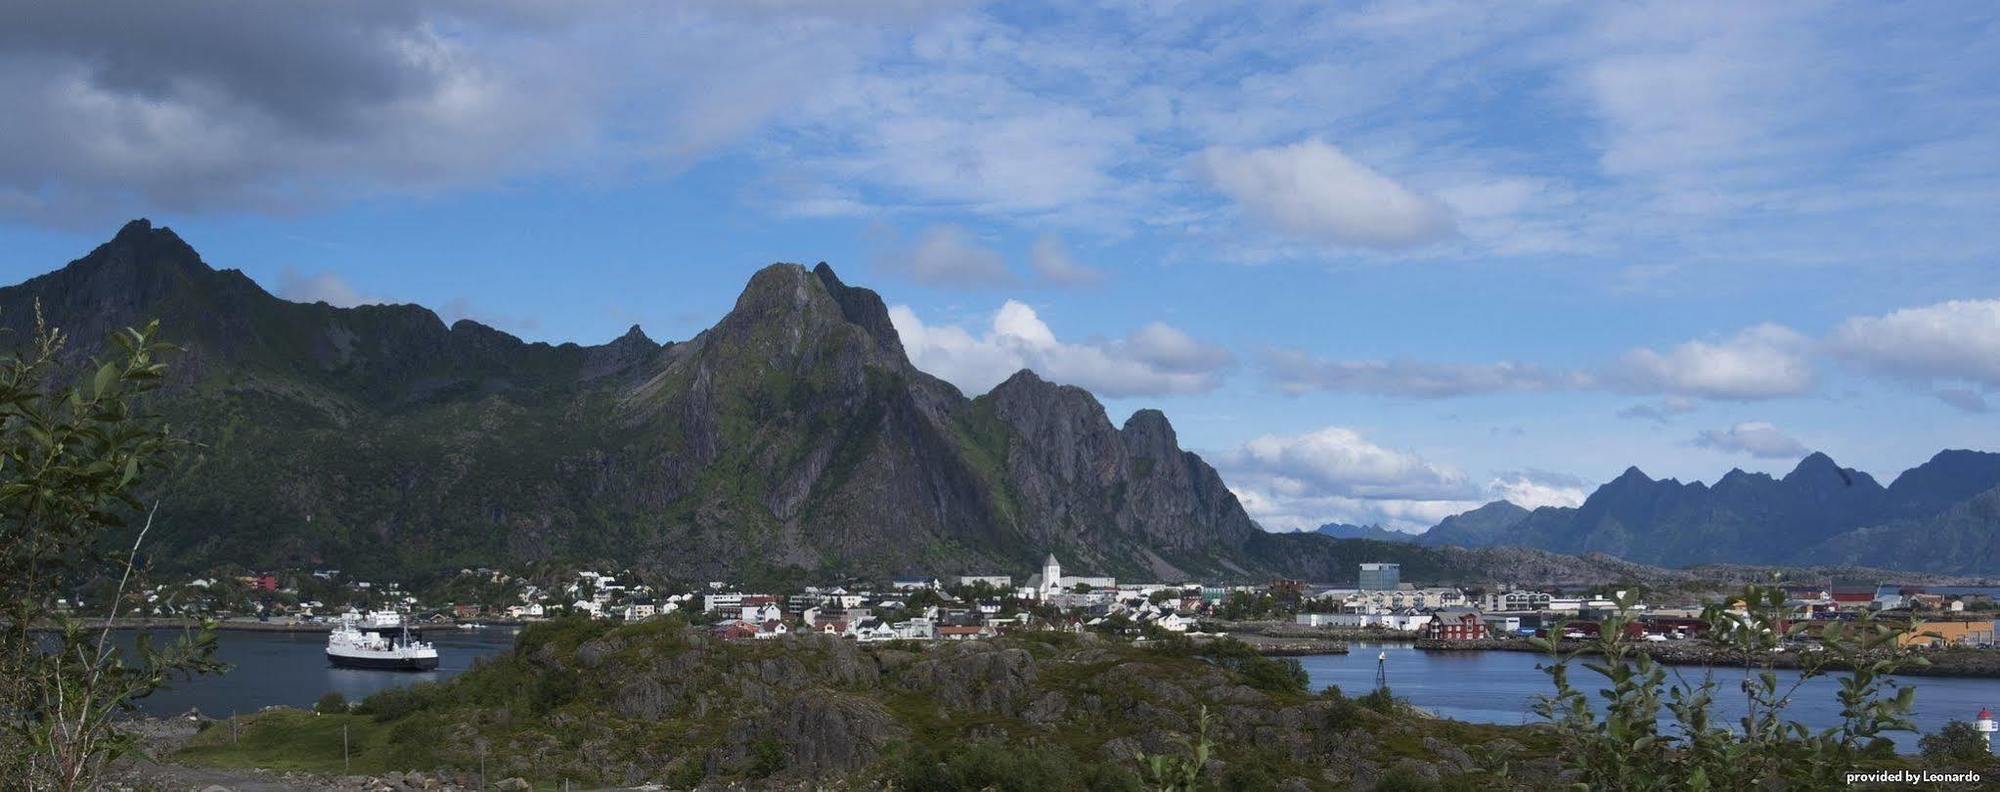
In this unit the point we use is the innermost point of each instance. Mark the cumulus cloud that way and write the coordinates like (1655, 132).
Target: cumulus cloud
(1336, 460)
(1314, 190)
(1157, 359)
(1335, 474)
(321, 286)
(1298, 372)
(1533, 489)
(1761, 362)
(946, 255)
(1756, 438)
(1051, 260)
(1957, 340)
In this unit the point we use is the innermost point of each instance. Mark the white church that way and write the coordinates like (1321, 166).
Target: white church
(1052, 582)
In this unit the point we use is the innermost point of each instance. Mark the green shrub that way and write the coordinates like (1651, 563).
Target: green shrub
(1957, 742)
(1003, 768)
(331, 704)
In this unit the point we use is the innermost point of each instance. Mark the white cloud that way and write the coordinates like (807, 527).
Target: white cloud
(1158, 359)
(946, 255)
(1533, 489)
(1339, 461)
(1957, 340)
(1334, 474)
(1312, 189)
(1761, 362)
(1298, 372)
(1051, 259)
(1756, 438)
(321, 286)
(1661, 412)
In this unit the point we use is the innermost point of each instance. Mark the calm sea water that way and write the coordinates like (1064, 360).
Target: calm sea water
(290, 669)
(1500, 687)
(1486, 687)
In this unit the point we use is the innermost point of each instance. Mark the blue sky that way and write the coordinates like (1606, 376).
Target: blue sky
(1379, 263)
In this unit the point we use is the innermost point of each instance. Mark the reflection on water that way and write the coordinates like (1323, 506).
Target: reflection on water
(277, 668)
(1499, 687)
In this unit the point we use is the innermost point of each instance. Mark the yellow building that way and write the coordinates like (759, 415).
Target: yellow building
(1936, 634)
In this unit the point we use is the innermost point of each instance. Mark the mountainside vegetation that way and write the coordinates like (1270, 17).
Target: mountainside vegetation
(792, 440)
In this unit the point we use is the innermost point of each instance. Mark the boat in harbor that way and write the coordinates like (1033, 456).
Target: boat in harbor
(379, 642)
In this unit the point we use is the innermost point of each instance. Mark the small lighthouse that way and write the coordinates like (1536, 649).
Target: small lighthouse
(1986, 727)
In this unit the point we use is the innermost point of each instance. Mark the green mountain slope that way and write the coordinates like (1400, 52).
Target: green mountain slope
(791, 439)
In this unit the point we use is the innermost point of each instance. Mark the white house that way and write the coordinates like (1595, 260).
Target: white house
(1001, 582)
(917, 629)
(872, 630)
(1174, 622)
(714, 603)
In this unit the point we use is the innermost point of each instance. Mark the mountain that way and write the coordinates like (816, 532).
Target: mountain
(1482, 527)
(1375, 532)
(793, 439)
(1946, 480)
(1934, 518)
(1964, 539)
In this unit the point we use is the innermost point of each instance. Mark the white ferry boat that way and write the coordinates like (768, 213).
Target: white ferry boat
(356, 644)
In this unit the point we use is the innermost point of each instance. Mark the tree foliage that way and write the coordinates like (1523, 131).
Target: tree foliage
(1956, 743)
(1621, 744)
(72, 457)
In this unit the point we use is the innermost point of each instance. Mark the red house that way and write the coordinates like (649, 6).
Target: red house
(1455, 624)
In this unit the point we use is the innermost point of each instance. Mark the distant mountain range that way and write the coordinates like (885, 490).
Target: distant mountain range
(792, 440)
(1374, 532)
(1942, 516)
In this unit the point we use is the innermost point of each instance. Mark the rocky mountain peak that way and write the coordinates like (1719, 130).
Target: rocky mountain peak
(1632, 476)
(1150, 429)
(862, 307)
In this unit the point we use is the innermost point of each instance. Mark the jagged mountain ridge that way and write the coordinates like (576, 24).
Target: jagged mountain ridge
(1374, 532)
(793, 438)
(1936, 517)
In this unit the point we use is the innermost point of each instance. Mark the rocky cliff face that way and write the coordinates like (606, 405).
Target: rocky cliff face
(792, 438)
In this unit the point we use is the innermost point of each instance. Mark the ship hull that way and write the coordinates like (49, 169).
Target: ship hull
(383, 663)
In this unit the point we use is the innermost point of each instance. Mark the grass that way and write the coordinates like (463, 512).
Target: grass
(288, 739)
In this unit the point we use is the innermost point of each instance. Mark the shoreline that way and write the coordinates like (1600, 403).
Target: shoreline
(1964, 663)
(233, 625)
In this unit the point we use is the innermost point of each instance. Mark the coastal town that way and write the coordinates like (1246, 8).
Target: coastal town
(1280, 617)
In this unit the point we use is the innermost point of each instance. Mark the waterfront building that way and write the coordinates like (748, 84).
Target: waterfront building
(1456, 624)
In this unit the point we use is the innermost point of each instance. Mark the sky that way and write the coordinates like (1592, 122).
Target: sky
(1379, 263)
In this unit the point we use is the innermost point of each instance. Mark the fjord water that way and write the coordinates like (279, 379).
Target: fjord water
(290, 669)
(1500, 687)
